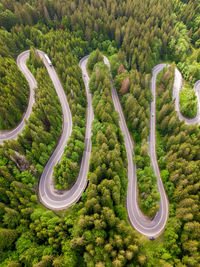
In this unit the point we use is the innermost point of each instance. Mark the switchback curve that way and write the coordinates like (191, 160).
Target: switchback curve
(61, 199)
(12, 134)
(145, 226)
(176, 95)
(48, 195)
(57, 199)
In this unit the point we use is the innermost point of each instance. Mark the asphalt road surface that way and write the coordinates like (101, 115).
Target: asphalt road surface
(12, 134)
(145, 226)
(49, 196)
(57, 199)
(176, 95)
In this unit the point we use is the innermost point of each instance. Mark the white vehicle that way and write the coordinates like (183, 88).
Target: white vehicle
(48, 60)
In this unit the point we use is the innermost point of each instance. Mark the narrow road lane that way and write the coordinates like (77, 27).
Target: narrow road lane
(145, 226)
(12, 134)
(57, 199)
(176, 95)
(49, 196)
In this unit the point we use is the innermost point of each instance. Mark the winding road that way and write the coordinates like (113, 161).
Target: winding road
(145, 226)
(49, 196)
(12, 134)
(57, 199)
(176, 95)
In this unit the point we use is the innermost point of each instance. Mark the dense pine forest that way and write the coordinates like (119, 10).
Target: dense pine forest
(14, 94)
(135, 36)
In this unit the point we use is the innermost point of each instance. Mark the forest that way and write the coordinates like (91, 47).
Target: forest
(15, 88)
(96, 231)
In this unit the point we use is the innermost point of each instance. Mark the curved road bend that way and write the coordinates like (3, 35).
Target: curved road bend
(12, 134)
(145, 226)
(150, 228)
(176, 95)
(49, 196)
(55, 199)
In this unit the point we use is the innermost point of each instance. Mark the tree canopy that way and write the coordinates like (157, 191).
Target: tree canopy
(135, 35)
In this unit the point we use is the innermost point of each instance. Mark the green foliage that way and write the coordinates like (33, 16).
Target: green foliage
(187, 29)
(115, 64)
(100, 230)
(13, 94)
(95, 232)
(138, 119)
(46, 261)
(179, 44)
(188, 102)
(14, 264)
(180, 174)
(136, 103)
(66, 172)
(118, 63)
(147, 182)
(7, 19)
(94, 57)
(190, 68)
(7, 237)
(98, 77)
(149, 196)
(34, 62)
(188, 12)
(44, 125)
